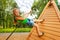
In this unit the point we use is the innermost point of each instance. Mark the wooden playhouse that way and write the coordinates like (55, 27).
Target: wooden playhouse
(51, 24)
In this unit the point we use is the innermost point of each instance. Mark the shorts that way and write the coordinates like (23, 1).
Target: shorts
(30, 22)
(27, 21)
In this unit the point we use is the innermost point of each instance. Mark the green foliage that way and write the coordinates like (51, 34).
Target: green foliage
(39, 5)
(8, 30)
(6, 16)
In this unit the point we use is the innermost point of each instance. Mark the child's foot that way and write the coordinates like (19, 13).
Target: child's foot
(41, 34)
(42, 20)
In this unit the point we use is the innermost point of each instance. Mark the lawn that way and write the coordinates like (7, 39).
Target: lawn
(17, 30)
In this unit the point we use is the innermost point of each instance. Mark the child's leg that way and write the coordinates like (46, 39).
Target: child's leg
(31, 23)
(39, 32)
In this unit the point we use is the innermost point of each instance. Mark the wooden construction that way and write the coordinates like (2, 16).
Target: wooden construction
(51, 25)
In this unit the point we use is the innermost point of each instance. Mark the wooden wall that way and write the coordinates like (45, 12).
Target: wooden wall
(50, 27)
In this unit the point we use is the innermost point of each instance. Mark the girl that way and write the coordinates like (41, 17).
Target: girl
(27, 21)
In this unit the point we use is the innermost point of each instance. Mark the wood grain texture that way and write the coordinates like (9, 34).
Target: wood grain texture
(51, 25)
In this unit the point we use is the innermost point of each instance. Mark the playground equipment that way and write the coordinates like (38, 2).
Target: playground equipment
(51, 25)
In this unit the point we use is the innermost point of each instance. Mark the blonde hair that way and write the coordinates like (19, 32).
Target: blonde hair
(14, 11)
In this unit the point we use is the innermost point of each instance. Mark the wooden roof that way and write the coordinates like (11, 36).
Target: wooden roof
(55, 7)
(51, 25)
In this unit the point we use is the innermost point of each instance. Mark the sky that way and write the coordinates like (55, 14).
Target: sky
(24, 5)
(58, 2)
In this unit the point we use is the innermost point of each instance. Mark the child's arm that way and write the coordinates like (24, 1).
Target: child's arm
(19, 18)
(35, 20)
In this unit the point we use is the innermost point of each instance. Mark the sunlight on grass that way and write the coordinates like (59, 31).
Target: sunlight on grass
(17, 30)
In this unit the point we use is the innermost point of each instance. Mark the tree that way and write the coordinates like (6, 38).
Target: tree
(6, 12)
(40, 4)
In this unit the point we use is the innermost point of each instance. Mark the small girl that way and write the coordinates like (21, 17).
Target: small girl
(27, 21)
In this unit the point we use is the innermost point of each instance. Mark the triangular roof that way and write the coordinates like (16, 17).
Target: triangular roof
(55, 6)
(51, 25)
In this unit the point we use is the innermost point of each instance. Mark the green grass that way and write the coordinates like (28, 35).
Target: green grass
(8, 30)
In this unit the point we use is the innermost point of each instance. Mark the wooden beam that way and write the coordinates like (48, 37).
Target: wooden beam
(56, 9)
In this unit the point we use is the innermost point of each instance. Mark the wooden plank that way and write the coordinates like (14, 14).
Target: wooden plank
(50, 34)
(51, 28)
(51, 19)
(50, 15)
(47, 38)
(56, 9)
(51, 25)
(48, 11)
